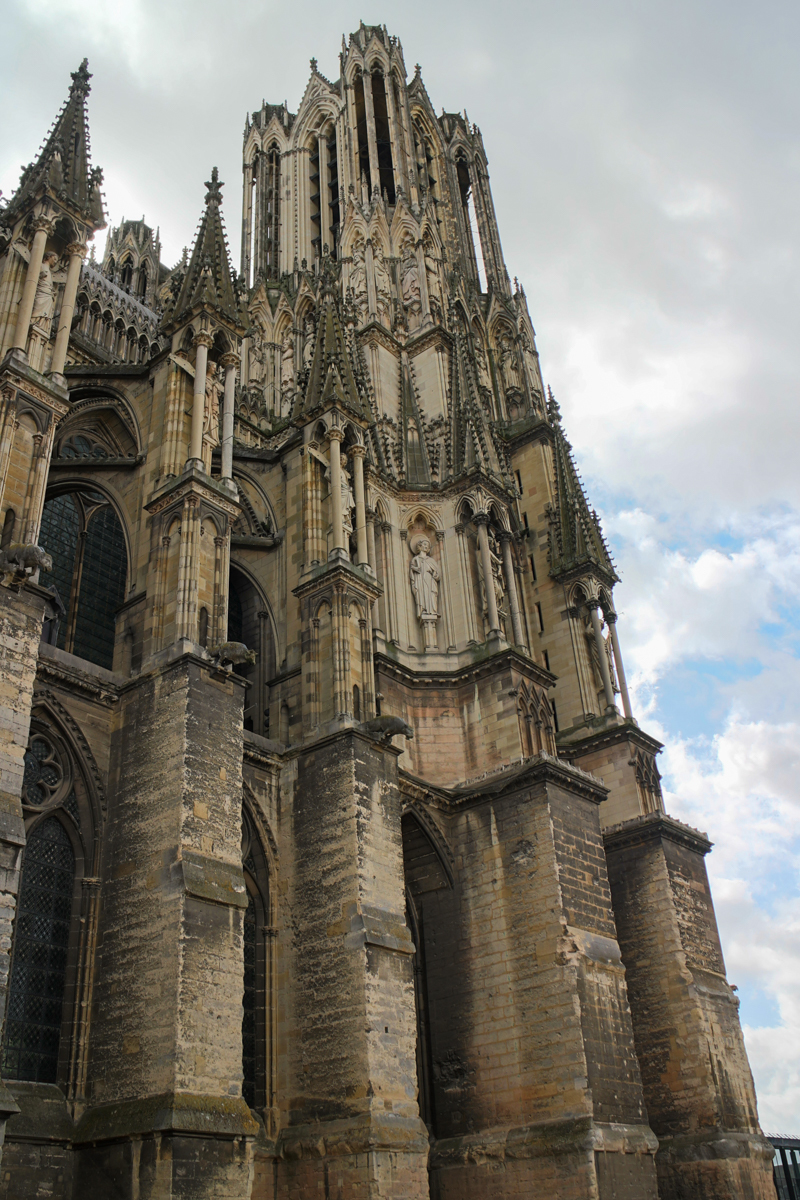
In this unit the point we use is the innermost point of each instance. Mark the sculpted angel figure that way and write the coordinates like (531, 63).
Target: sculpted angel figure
(287, 370)
(44, 299)
(424, 575)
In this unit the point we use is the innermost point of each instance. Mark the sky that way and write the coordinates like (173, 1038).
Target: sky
(645, 165)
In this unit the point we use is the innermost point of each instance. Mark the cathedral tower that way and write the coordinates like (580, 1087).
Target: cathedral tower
(325, 805)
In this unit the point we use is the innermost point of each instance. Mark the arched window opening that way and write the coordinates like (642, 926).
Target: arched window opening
(248, 622)
(271, 213)
(39, 960)
(361, 132)
(428, 901)
(126, 275)
(383, 136)
(257, 1066)
(83, 534)
(9, 525)
(470, 221)
(333, 194)
(315, 183)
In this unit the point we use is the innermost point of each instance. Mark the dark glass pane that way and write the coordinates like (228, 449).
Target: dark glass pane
(61, 524)
(249, 1005)
(39, 961)
(102, 587)
(235, 616)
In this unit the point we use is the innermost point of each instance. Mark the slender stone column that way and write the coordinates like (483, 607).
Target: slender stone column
(76, 253)
(357, 454)
(623, 683)
(336, 437)
(43, 229)
(203, 341)
(228, 361)
(482, 520)
(608, 687)
(511, 586)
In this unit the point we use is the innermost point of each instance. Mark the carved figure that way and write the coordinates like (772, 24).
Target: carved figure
(257, 354)
(308, 342)
(424, 575)
(19, 561)
(383, 284)
(409, 277)
(213, 393)
(508, 363)
(232, 653)
(348, 499)
(44, 299)
(384, 728)
(358, 279)
(287, 371)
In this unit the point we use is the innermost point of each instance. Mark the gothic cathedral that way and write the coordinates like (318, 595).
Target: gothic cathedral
(333, 860)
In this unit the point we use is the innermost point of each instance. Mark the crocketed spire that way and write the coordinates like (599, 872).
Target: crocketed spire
(208, 282)
(63, 167)
(575, 537)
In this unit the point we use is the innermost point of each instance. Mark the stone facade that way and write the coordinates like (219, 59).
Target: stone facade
(333, 860)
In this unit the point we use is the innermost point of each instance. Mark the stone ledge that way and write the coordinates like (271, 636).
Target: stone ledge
(357, 1135)
(172, 1112)
(714, 1144)
(652, 828)
(210, 879)
(546, 1139)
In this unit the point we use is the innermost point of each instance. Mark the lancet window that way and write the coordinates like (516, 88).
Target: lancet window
(383, 139)
(257, 1065)
(52, 908)
(271, 212)
(361, 132)
(471, 229)
(316, 187)
(82, 533)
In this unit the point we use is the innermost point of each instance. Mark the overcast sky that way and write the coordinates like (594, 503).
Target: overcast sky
(645, 162)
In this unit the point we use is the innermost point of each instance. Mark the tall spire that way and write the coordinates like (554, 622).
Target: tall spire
(576, 541)
(63, 167)
(208, 282)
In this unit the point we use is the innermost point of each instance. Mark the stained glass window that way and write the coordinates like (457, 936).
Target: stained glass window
(82, 533)
(39, 961)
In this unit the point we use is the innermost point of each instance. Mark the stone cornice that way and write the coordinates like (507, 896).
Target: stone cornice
(339, 572)
(467, 672)
(55, 668)
(541, 768)
(653, 828)
(625, 730)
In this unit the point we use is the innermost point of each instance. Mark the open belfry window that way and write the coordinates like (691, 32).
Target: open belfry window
(361, 131)
(82, 533)
(272, 213)
(383, 140)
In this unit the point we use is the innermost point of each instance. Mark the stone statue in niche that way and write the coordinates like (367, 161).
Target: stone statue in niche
(409, 279)
(308, 342)
(432, 274)
(496, 581)
(529, 358)
(484, 380)
(44, 299)
(509, 364)
(348, 499)
(358, 280)
(383, 284)
(257, 356)
(213, 392)
(424, 576)
(594, 659)
(287, 372)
